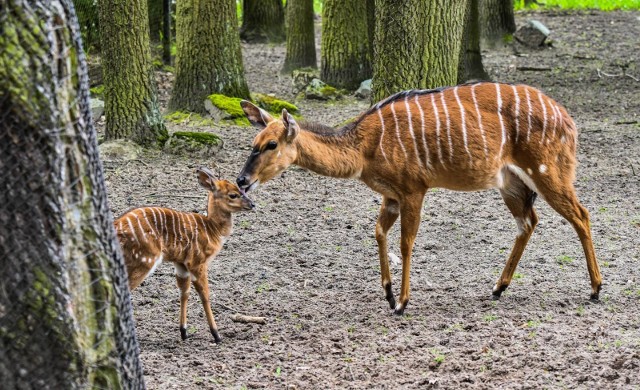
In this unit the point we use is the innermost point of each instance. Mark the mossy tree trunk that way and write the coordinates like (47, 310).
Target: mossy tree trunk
(131, 103)
(166, 32)
(65, 314)
(371, 26)
(301, 43)
(470, 66)
(345, 58)
(87, 13)
(497, 21)
(412, 49)
(262, 21)
(208, 57)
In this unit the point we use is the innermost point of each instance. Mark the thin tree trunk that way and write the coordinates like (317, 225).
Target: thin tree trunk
(371, 26)
(155, 19)
(301, 43)
(345, 54)
(166, 32)
(65, 313)
(470, 66)
(412, 50)
(131, 105)
(262, 21)
(497, 21)
(209, 59)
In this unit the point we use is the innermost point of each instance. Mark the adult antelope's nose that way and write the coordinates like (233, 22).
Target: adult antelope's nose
(242, 181)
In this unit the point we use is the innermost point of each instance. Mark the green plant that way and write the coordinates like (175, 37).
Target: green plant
(490, 317)
(278, 372)
(580, 310)
(564, 259)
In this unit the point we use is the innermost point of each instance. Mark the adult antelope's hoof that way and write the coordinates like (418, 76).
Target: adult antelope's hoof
(183, 333)
(216, 336)
(497, 292)
(389, 296)
(399, 310)
(595, 297)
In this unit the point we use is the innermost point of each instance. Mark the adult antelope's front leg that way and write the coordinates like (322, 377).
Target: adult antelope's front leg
(389, 212)
(410, 222)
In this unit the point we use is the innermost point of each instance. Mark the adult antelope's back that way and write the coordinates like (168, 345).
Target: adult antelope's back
(469, 137)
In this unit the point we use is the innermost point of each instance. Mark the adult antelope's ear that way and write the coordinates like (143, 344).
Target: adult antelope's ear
(207, 179)
(256, 115)
(290, 124)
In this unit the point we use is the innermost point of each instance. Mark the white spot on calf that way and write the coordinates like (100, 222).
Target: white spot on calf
(543, 168)
(529, 171)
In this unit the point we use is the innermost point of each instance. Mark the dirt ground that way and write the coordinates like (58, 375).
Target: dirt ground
(307, 259)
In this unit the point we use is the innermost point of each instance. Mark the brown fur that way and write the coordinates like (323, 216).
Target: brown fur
(190, 241)
(510, 145)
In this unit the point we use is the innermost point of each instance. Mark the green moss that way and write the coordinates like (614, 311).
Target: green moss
(230, 105)
(328, 90)
(188, 118)
(97, 91)
(273, 104)
(203, 138)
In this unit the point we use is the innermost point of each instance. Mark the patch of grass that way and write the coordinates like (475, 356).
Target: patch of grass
(351, 329)
(437, 355)
(278, 372)
(328, 208)
(97, 91)
(564, 260)
(580, 310)
(533, 323)
(518, 276)
(454, 328)
(490, 317)
(604, 5)
(202, 138)
(262, 287)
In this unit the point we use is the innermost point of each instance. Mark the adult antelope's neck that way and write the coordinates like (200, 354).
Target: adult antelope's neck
(335, 155)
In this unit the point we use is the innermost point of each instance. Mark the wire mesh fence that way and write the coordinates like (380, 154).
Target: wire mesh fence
(65, 314)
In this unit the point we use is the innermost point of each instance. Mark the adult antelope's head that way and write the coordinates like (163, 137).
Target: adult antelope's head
(273, 148)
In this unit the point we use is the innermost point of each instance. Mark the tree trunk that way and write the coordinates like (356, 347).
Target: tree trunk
(166, 32)
(262, 21)
(470, 66)
(301, 42)
(155, 19)
(371, 26)
(131, 104)
(345, 54)
(65, 313)
(497, 21)
(412, 49)
(209, 59)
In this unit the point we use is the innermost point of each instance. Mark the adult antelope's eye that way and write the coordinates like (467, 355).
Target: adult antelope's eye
(271, 145)
(233, 196)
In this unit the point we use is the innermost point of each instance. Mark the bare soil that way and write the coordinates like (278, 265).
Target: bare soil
(306, 259)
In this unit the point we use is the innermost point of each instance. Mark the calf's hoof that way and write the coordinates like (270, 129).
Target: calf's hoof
(399, 309)
(216, 336)
(183, 333)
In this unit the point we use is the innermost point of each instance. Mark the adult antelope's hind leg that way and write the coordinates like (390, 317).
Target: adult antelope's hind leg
(519, 199)
(201, 284)
(183, 278)
(389, 212)
(563, 199)
(410, 222)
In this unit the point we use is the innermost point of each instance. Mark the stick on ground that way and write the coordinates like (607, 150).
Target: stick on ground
(248, 319)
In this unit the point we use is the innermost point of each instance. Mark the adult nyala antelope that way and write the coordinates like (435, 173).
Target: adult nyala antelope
(151, 235)
(466, 138)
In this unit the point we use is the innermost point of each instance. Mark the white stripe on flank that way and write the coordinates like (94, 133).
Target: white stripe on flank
(135, 236)
(163, 222)
(435, 111)
(195, 232)
(155, 219)
(382, 135)
(484, 138)
(206, 230)
(188, 236)
(526, 92)
(424, 139)
(515, 93)
(144, 234)
(556, 115)
(446, 114)
(544, 113)
(151, 228)
(504, 132)
(173, 222)
(413, 135)
(464, 124)
(120, 225)
(395, 119)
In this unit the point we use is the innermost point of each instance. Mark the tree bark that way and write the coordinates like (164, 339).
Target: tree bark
(470, 66)
(301, 43)
(65, 313)
(131, 104)
(154, 8)
(413, 47)
(166, 32)
(371, 27)
(497, 21)
(262, 21)
(209, 59)
(345, 54)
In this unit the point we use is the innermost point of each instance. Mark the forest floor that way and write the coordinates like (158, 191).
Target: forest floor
(306, 258)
